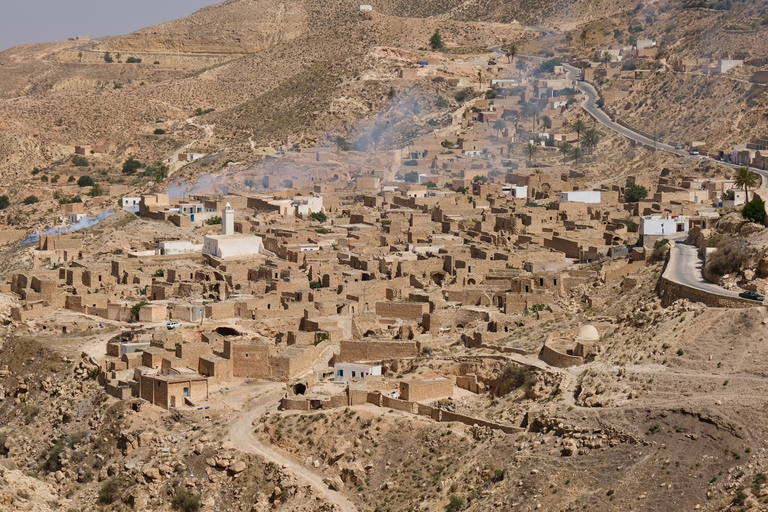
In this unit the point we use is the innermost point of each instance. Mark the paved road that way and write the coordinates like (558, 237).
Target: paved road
(685, 268)
(590, 105)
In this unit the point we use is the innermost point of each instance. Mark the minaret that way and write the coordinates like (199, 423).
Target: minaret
(228, 221)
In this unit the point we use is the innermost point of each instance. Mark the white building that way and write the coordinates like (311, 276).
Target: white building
(580, 196)
(364, 8)
(657, 225)
(308, 205)
(231, 246)
(74, 217)
(515, 191)
(177, 247)
(342, 372)
(131, 202)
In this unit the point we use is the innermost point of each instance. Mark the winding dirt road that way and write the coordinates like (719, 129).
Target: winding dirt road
(242, 436)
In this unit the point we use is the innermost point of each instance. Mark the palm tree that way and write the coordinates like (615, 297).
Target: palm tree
(633, 41)
(510, 145)
(547, 122)
(577, 153)
(565, 147)
(579, 126)
(480, 79)
(583, 37)
(568, 38)
(591, 138)
(745, 179)
(511, 52)
(606, 58)
(499, 125)
(521, 66)
(530, 150)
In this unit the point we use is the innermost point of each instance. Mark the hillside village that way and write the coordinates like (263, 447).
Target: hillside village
(458, 302)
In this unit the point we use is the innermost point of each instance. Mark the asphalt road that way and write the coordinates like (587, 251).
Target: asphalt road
(685, 268)
(590, 105)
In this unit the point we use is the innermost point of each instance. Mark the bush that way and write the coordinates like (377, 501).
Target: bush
(411, 163)
(442, 102)
(754, 211)
(85, 181)
(4, 202)
(185, 500)
(213, 221)
(517, 377)
(79, 161)
(159, 273)
(110, 491)
(70, 179)
(635, 193)
(44, 178)
(318, 216)
(315, 285)
(455, 504)
(730, 255)
(31, 200)
(96, 191)
(132, 165)
(108, 58)
(462, 96)
(132, 60)
(549, 66)
(159, 131)
(660, 250)
(137, 307)
(412, 177)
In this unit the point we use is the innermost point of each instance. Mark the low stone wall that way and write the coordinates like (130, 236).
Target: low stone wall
(399, 405)
(554, 357)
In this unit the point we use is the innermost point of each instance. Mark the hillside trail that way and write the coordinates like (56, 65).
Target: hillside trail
(242, 436)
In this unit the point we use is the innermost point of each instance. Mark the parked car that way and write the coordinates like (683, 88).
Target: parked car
(491, 62)
(678, 146)
(751, 296)
(693, 152)
(173, 324)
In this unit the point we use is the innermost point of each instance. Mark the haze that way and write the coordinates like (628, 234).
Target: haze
(42, 21)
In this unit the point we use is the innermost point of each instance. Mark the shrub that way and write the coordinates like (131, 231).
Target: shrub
(44, 178)
(461, 96)
(132, 165)
(462, 190)
(660, 250)
(110, 491)
(754, 211)
(70, 179)
(156, 62)
(455, 504)
(635, 193)
(36, 171)
(436, 41)
(132, 60)
(411, 163)
(79, 161)
(431, 184)
(159, 131)
(31, 200)
(185, 500)
(108, 58)
(441, 102)
(96, 191)
(85, 181)
(159, 273)
(213, 221)
(730, 255)
(318, 216)
(4, 202)
(137, 307)
(517, 377)
(315, 285)
(412, 177)
(480, 179)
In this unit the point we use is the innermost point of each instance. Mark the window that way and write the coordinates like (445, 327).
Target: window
(341, 373)
(526, 288)
(353, 373)
(158, 383)
(541, 281)
(186, 391)
(555, 282)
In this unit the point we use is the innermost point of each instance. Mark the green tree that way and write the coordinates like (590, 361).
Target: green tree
(108, 58)
(96, 191)
(160, 173)
(4, 202)
(480, 179)
(462, 190)
(510, 52)
(568, 38)
(745, 179)
(754, 210)
(591, 138)
(583, 37)
(341, 143)
(577, 153)
(70, 179)
(137, 307)
(159, 131)
(521, 66)
(547, 121)
(442, 102)
(579, 126)
(79, 161)
(455, 504)
(31, 200)
(480, 79)
(530, 151)
(85, 181)
(499, 126)
(436, 41)
(315, 285)
(635, 193)
(606, 58)
(318, 216)
(213, 221)
(412, 177)
(565, 148)
(132, 165)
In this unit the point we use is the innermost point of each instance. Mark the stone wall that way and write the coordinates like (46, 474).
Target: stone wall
(426, 389)
(552, 356)
(376, 350)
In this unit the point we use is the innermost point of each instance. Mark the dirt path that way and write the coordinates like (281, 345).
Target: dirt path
(241, 435)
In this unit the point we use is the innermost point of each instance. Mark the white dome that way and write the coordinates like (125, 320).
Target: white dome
(587, 333)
